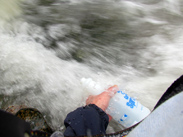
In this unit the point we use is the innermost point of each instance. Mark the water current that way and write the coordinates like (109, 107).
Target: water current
(47, 46)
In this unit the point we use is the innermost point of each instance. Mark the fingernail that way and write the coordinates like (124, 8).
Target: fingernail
(115, 87)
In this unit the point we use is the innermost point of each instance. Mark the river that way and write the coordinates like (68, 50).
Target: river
(46, 47)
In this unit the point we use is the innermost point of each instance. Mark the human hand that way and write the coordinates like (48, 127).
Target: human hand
(102, 100)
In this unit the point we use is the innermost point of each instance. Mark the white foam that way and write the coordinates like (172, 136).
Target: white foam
(144, 59)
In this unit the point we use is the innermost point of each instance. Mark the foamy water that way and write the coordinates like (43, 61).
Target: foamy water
(47, 47)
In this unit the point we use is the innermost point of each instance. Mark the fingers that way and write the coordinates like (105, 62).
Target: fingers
(102, 100)
(110, 118)
(112, 90)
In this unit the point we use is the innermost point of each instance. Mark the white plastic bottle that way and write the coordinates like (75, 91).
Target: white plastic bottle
(124, 109)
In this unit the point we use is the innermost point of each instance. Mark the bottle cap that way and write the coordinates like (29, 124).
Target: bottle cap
(91, 86)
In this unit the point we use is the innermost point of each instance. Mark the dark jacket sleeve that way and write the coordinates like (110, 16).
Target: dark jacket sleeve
(88, 120)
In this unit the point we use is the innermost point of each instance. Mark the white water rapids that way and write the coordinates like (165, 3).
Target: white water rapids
(46, 47)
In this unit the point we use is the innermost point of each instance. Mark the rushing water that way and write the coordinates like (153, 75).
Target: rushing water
(46, 47)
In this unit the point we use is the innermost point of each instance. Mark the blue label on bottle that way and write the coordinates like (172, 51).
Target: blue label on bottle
(124, 117)
(131, 101)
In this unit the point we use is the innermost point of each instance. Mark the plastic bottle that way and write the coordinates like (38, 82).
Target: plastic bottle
(124, 109)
